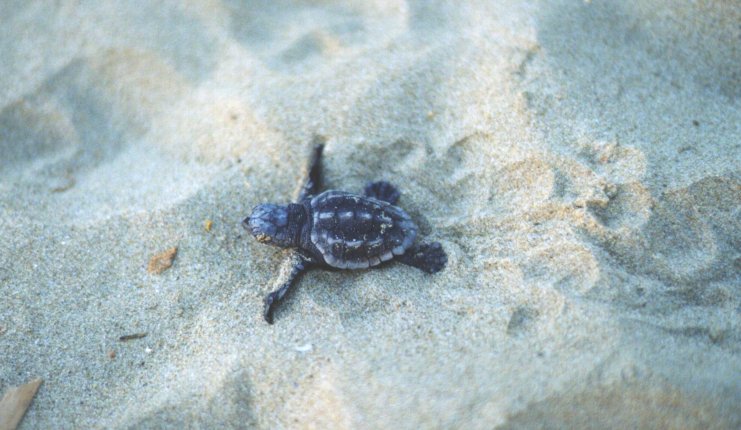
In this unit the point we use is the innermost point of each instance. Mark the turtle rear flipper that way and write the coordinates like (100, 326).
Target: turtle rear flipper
(428, 257)
(383, 191)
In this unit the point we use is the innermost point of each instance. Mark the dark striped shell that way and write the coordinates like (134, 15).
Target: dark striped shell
(355, 232)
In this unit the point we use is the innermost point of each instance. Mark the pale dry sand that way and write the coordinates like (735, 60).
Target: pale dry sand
(579, 161)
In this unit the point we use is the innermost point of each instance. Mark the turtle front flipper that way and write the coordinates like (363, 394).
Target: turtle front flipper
(383, 191)
(313, 183)
(428, 257)
(290, 271)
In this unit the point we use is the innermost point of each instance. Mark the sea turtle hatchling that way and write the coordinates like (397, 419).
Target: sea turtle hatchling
(340, 230)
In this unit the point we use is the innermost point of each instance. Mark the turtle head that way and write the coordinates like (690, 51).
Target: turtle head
(275, 224)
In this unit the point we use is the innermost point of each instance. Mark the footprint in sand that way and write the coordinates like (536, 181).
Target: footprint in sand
(83, 133)
(294, 36)
(686, 236)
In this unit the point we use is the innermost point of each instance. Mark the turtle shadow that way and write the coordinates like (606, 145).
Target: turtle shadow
(334, 289)
(356, 296)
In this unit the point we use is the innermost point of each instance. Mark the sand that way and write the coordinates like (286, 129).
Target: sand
(579, 161)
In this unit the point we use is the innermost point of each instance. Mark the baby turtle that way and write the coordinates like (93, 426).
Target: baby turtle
(340, 230)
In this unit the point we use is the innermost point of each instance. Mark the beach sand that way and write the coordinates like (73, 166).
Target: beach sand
(579, 161)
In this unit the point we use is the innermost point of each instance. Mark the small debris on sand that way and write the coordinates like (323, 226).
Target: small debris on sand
(304, 348)
(162, 261)
(15, 402)
(63, 184)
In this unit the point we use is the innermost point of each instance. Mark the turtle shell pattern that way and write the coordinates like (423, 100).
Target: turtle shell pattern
(355, 232)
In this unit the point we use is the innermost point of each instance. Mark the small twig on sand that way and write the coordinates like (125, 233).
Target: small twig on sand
(128, 337)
